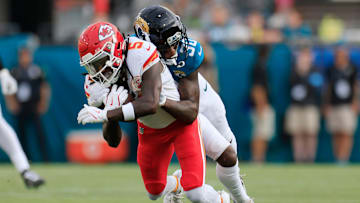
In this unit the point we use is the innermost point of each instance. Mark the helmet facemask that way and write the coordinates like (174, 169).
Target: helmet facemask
(104, 66)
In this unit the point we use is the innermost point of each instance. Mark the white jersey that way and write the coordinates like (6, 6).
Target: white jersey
(140, 57)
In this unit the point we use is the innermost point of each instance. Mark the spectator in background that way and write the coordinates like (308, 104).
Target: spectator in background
(263, 6)
(263, 115)
(331, 29)
(218, 30)
(258, 32)
(256, 25)
(223, 28)
(296, 31)
(341, 105)
(303, 117)
(281, 15)
(31, 101)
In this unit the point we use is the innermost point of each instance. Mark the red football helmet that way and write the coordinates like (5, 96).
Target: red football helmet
(101, 48)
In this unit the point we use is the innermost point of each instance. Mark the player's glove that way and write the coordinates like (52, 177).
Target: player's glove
(95, 92)
(116, 97)
(91, 114)
(8, 83)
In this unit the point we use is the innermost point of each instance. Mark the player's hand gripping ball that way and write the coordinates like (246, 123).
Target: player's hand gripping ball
(116, 97)
(95, 92)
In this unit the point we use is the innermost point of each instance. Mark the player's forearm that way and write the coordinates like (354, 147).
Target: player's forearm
(187, 108)
(146, 104)
(112, 133)
(141, 107)
(184, 110)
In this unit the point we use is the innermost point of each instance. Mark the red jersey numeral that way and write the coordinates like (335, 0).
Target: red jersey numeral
(136, 45)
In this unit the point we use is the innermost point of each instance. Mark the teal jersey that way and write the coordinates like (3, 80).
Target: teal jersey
(187, 62)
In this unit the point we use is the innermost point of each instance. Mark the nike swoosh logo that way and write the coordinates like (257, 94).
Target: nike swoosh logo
(205, 89)
(148, 49)
(200, 51)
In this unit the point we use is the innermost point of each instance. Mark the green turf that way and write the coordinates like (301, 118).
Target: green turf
(121, 183)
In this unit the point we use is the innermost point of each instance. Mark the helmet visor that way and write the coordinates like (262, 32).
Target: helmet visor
(103, 69)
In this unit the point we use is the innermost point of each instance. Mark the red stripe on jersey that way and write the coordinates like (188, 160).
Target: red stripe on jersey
(153, 56)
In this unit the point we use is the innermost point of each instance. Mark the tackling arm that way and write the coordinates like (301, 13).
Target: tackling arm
(187, 108)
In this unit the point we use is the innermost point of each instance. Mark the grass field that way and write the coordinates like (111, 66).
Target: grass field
(121, 183)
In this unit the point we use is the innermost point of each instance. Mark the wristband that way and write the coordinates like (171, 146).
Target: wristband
(128, 112)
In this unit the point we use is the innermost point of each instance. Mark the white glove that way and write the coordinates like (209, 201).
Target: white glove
(90, 114)
(116, 97)
(8, 83)
(95, 92)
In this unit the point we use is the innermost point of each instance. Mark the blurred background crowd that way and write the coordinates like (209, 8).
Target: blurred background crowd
(287, 71)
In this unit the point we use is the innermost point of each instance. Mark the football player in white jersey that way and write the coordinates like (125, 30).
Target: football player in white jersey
(183, 57)
(8, 139)
(133, 63)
